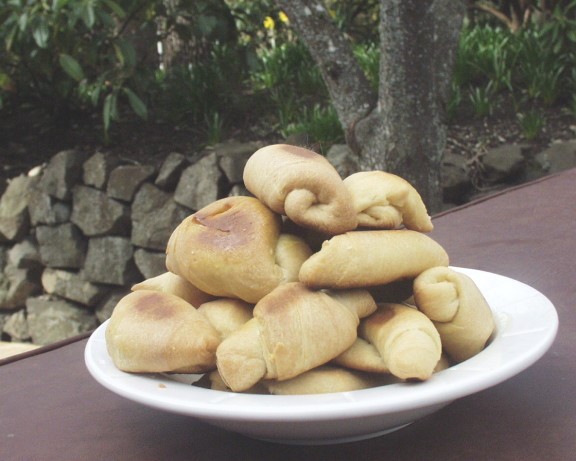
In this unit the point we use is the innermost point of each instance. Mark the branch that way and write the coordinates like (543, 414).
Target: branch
(350, 91)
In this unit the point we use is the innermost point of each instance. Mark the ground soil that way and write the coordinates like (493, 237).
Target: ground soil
(29, 139)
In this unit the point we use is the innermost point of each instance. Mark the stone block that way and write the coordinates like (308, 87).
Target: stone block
(52, 319)
(199, 184)
(155, 215)
(72, 286)
(14, 217)
(96, 214)
(61, 246)
(45, 209)
(110, 260)
(170, 171)
(97, 169)
(125, 180)
(62, 173)
(150, 263)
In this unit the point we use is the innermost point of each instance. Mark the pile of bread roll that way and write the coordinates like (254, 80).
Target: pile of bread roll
(312, 284)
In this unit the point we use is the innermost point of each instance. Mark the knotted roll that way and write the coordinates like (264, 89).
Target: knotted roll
(386, 201)
(175, 285)
(302, 185)
(151, 331)
(406, 339)
(233, 248)
(458, 309)
(371, 258)
(294, 329)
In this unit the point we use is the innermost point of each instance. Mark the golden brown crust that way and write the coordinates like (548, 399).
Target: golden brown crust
(371, 258)
(228, 249)
(302, 185)
(150, 331)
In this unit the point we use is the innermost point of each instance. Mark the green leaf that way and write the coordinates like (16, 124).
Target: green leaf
(23, 22)
(110, 110)
(125, 53)
(59, 4)
(41, 32)
(136, 103)
(71, 66)
(116, 9)
(87, 14)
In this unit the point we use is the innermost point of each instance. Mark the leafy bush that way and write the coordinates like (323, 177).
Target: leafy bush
(241, 58)
(70, 54)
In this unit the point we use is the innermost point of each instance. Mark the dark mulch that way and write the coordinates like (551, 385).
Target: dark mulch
(30, 139)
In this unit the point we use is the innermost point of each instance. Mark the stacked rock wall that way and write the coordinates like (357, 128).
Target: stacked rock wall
(75, 234)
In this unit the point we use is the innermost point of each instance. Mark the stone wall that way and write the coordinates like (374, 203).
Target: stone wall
(77, 233)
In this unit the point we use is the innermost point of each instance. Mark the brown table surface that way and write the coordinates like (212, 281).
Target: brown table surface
(52, 409)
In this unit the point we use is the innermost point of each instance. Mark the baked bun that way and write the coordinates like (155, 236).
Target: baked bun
(302, 185)
(322, 380)
(294, 329)
(386, 201)
(458, 309)
(371, 258)
(406, 339)
(174, 284)
(151, 331)
(226, 315)
(233, 248)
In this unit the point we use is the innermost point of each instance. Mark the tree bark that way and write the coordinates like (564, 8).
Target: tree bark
(406, 134)
(349, 89)
(401, 131)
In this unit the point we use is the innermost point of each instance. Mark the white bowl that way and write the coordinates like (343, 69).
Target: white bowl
(526, 325)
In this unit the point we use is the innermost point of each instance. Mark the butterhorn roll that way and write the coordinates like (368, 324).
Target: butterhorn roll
(294, 329)
(175, 285)
(226, 315)
(406, 339)
(302, 185)
(151, 331)
(233, 248)
(322, 380)
(386, 201)
(371, 258)
(458, 309)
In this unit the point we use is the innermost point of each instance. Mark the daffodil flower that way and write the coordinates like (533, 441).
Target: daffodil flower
(269, 23)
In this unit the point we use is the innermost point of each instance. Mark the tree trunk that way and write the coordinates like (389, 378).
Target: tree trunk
(403, 130)
(406, 133)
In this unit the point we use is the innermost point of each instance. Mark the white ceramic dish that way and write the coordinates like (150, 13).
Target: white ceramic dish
(526, 327)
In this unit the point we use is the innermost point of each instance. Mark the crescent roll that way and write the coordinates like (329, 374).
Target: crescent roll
(226, 315)
(385, 201)
(294, 329)
(406, 339)
(371, 258)
(176, 285)
(302, 185)
(322, 380)
(233, 248)
(458, 309)
(151, 331)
